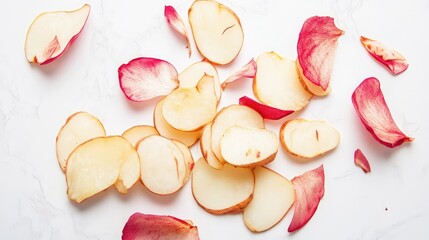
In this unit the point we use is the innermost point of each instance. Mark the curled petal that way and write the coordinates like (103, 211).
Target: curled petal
(374, 113)
(247, 71)
(361, 161)
(175, 21)
(266, 112)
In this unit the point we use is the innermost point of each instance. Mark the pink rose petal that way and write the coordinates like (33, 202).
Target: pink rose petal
(266, 112)
(247, 71)
(361, 161)
(175, 21)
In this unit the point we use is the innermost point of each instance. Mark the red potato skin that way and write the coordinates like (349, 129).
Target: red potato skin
(155, 227)
(361, 161)
(309, 189)
(374, 113)
(390, 58)
(266, 112)
(317, 42)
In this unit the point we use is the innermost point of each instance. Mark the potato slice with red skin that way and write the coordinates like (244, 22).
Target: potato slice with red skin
(96, 164)
(391, 59)
(308, 139)
(189, 160)
(374, 113)
(163, 167)
(79, 127)
(192, 75)
(247, 71)
(52, 33)
(309, 189)
(317, 43)
(156, 227)
(189, 109)
(230, 116)
(146, 78)
(227, 190)
(277, 83)
(175, 22)
(217, 31)
(206, 148)
(361, 161)
(136, 133)
(248, 147)
(272, 198)
(266, 111)
(189, 138)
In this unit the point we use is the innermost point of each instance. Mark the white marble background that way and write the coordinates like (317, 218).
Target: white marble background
(389, 203)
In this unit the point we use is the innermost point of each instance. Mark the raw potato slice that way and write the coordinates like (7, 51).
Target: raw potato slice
(228, 190)
(206, 148)
(165, 130)
(51, 33)
(189, 109)
(233, 115)
(192, 75)
(308, 139)
(156, 227)
(277, 84)
(136, 133)
(128, 175)
(79, 127)
(162, 165)
(217, 31)
(96, 164)
(272, 198)
(187, 156)
(248, 147)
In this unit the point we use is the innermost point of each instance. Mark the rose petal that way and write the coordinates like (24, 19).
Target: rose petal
(390, 58)
(317, 42)
(361, 161)
(145, 78)
(247, 71)
(374, 113)
(155, 227)
(309, 189)
(266, 112)
(175, 21)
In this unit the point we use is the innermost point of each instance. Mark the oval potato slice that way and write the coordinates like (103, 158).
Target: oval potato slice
(137, 133)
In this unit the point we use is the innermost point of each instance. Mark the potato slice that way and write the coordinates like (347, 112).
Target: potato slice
(272, 198)
(217, 31)
(233, 115)
(96, 164)
(222, 191)
(165, 130)
(206, 148)
(189, 160)
(308, 139)
(162, 165)
(277, 83)
(137, 133)
(248, 147)
(189, 109)
(192, 75)
(79, 127)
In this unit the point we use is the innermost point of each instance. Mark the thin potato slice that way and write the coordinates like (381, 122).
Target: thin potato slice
(206, 148)
(136, 133)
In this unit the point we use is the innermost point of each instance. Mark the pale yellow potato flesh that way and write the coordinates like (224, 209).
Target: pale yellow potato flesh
(136, 133)
(272, 198)
(311, 87)
(222, 191)
(206, 147)
(217, 31)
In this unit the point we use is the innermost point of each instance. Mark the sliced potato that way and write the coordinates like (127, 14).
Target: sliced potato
(272, 198)
(96, 164)
(277, 83)
(79, 127)
(222, 191)
(136, 133)
(192, 75)
(206, 148)
(189, 109)
(308, 139)
(217, 31)
(165, 130)
(189, 160)
(311, 87)
(248, 147)
(233, 115)
(162, 165)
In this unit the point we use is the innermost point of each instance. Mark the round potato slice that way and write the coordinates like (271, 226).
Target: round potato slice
(137, 133)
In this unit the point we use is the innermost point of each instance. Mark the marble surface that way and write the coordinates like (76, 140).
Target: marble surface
(389, 203)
